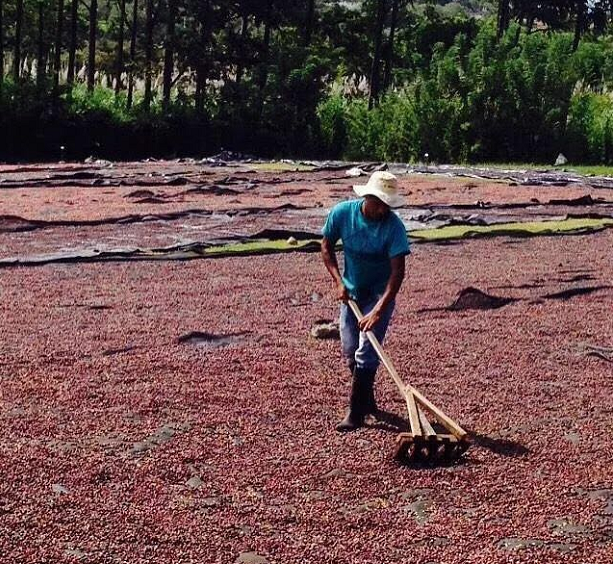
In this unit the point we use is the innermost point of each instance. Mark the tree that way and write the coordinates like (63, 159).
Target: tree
(41, 62)
(133, 41)
(199, 55)
(72, 48)
(375, 78)
(309, 22)
(17, 46)
(1, 44)
(504, 16)
(58, 48)
(389, 52)
(148, 54)
(93, 31)
(169, 51)
(601, 13)
(580, 17)
(120, 46)
(265, 52)
(555, 14)
(240, 65)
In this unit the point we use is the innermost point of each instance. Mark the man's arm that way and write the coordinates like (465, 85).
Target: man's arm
(329, 257)
(393, 286)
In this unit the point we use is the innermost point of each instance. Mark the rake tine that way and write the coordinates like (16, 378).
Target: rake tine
(404, 442)
(424, 451)
(415, 456)
(436, 449)
(449, 450)
(430, 453)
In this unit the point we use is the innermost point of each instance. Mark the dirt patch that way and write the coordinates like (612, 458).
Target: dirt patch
(163, 435)
(586, 200)
(473, 298)
(152, 200)
(209, 340)
(140, 194)
(519, 544)
(212, 189)
(325, 329)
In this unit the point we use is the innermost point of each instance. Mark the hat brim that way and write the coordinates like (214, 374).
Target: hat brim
(365, 190)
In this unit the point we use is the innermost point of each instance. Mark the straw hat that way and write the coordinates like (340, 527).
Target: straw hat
(383, 185)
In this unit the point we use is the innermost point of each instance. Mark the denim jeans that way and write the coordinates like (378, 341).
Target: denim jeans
(355, 344)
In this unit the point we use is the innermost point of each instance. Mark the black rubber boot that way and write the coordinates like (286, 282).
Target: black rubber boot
(357, 404)
(370, 404)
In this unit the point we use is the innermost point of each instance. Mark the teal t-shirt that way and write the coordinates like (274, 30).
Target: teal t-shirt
(368, 246)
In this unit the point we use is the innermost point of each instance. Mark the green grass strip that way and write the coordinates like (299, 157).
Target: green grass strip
(518, 229)
(279, 167)
(450, 233)
(258, 247)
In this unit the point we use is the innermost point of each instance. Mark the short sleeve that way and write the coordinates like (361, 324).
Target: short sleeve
(399, 242)
(332, 228)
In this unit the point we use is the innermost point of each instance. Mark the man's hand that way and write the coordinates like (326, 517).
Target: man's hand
(329, 257)
(342, 293)
(369, 321)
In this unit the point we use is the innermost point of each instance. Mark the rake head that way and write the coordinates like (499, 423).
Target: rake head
(431, 449)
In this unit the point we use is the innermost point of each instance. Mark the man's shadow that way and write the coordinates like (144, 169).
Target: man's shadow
(392, 423)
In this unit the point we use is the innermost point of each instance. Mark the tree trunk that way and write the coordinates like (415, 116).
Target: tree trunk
(132, 54)
(387, 76)
(1, 45)
(17, 48)
(57, 63)
(308, 25)
(120, 42)
(148, 53)
(72, 50)
(240, 65)
(91, 61)
(263, 78)
(202, 67)
(504, 16)
(169, 58)
(199, 95)
(579, 23)
(40, 56)
(375, 79)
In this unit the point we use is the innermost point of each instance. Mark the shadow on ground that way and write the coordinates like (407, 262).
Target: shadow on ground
(503, 447)
(389, 422)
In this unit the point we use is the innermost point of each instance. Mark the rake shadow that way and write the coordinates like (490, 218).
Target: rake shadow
(503, 447)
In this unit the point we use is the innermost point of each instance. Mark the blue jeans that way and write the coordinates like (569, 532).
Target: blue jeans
(356, 347)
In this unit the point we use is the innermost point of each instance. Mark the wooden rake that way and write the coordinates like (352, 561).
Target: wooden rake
(423, 443)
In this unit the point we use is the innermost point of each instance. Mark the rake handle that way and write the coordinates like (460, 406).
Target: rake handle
(387, 362)
(409, 392)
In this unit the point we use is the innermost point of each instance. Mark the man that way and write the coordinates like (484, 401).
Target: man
(375, 244)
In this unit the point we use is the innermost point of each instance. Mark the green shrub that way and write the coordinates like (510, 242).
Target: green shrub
(525, 98)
